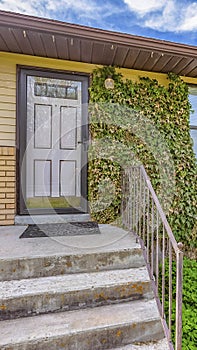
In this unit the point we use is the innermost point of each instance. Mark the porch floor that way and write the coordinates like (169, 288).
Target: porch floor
(12, 247)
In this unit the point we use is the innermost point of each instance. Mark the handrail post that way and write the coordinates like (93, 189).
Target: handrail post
(179, 287)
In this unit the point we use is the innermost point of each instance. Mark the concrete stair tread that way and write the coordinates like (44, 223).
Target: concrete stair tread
(68, 292)
(88, 328)
(52, 219)
(73, 282)
(114, 248)
(159, 345)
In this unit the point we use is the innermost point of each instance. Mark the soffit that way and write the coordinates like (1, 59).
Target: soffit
(53, 39)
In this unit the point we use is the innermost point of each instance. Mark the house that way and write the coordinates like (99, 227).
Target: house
(45, 69)
(45, 73)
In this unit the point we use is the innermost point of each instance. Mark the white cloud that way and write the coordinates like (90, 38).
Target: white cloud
(161, 15)
(165, 15)
(190, 19)
(142, 7)
(87, 12)
(48, 7)
(75, 5)
(167, 20)
(21, 6)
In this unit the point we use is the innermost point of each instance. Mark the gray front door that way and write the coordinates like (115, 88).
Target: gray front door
(55, 156)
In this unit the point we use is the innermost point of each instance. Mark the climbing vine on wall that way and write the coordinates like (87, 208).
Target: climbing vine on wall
(143, 123)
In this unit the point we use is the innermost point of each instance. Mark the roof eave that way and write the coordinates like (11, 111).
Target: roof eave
(15, 20)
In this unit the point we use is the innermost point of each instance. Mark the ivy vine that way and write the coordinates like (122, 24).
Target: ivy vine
(143, 122)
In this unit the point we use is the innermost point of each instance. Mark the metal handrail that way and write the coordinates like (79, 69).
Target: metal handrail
(143, 215)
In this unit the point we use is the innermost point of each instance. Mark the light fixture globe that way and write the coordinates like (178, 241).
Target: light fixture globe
(109, 83)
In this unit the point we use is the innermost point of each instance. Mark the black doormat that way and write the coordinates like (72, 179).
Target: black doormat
(63, 229)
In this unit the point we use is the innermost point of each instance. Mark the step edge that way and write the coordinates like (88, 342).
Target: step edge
(81, 253)
(60, 291)
(117, 326)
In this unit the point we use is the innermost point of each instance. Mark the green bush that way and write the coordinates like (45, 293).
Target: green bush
(189, 302)
(144, 123)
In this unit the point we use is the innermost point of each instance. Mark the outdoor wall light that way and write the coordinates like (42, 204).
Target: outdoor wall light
(109, 83)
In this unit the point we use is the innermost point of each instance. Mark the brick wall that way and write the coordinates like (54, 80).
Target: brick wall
(7, 185)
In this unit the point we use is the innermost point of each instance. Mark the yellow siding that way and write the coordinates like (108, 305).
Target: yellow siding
(12, 92)
(8, 68)
(6, 135)
(7, 113)
(8, 121)
(7, 102)
(7, 106)
(7, 128)
(6, 84)
(7, 76)
(8, 98)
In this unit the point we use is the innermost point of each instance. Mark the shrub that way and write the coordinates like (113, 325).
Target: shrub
(131, 115)
(189, 302)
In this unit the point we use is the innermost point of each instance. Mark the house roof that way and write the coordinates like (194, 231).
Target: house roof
(49, 38)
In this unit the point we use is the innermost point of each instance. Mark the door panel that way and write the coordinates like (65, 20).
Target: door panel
(42, 178)
(56, 126)
(68, 185)
(42, 126)
(68, 127)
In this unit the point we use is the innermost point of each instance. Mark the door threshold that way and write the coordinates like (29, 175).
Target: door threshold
(49, 219)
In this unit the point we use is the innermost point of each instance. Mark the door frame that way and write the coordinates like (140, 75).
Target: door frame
(21, 127)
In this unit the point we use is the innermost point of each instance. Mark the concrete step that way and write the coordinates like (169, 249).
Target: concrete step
(49, 219)
(52, 265)
(158, 345)
(114, 248)
(98, 328)
(60, 293)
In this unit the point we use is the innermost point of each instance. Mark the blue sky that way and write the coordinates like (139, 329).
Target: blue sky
(173, 20)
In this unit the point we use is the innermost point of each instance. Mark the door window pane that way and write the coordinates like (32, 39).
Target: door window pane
(56, 90)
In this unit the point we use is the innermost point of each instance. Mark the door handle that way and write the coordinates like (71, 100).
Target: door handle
(85, 144)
